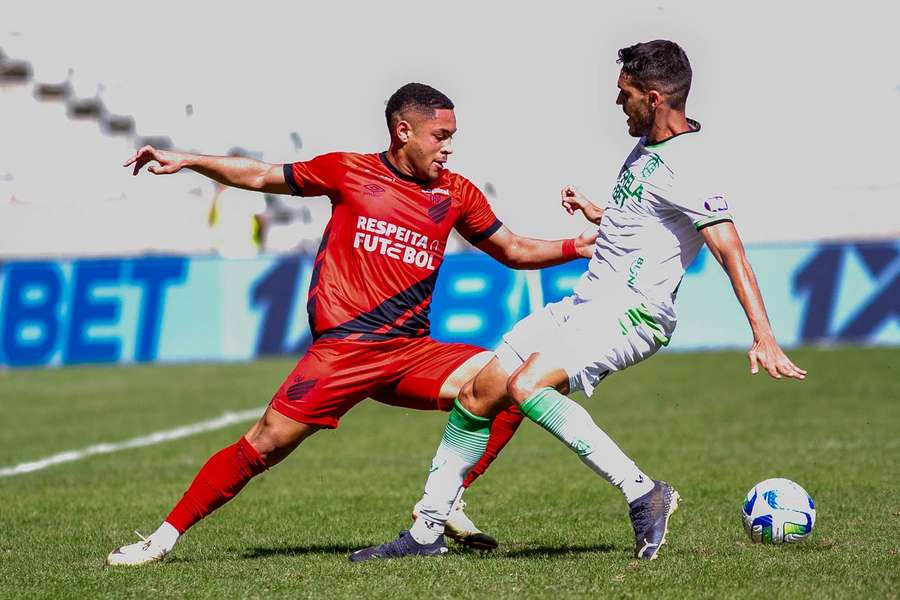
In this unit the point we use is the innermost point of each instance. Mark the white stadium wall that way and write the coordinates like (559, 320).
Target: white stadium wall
(802, 99)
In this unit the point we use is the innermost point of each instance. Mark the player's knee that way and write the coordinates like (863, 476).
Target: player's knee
(276, 440)
(257, 444)
(467, 397)
(522, 385)
(266, 442)
(479, 405)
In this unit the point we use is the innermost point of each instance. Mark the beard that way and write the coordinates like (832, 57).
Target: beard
(638, 125)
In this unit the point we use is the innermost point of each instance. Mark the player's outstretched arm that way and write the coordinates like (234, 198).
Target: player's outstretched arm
(236, 171)
(725, 244)
(573, 200)
(519, 252)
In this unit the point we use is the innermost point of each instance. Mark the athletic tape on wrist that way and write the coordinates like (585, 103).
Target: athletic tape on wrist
(568, 249)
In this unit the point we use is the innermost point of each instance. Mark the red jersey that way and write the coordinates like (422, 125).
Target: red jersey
(375, 271)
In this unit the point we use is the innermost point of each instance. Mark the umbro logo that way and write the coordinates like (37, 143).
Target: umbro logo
(373, 189)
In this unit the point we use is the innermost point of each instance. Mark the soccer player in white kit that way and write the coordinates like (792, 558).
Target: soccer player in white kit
(662, 209)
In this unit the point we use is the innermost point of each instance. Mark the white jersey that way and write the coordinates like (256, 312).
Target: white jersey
(649, 233)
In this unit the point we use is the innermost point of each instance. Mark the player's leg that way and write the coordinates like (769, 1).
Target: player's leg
(464, 369)
(533, 386)
(433, 380)
(459, 527)
(267, 443)
(313, 396)
(219, 480)
(584, 342)
(462, 445)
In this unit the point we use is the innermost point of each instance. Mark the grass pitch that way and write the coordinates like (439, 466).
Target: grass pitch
(696, 420)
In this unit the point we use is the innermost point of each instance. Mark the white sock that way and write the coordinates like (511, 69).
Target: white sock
(462, 445)
(572, 425)
(165, 536)
(456, 502)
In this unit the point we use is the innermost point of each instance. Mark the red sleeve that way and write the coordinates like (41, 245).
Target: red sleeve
(477, 221)
(317, 177)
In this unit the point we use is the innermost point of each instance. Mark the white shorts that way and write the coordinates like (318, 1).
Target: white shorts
(589, 339)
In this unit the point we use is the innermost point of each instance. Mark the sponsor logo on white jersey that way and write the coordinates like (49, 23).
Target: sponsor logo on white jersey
(716, 204)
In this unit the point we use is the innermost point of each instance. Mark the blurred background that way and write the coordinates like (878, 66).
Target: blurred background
(99, 266)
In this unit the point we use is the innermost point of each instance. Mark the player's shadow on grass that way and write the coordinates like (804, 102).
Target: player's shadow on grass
(556, 551)
(297, 551)
(532, 552)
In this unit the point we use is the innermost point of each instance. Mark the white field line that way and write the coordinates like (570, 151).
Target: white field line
(158, 437)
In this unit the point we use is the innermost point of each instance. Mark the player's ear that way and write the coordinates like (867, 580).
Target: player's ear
(403, 130)
(654, 98)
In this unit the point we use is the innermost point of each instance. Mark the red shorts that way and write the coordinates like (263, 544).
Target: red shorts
(334, 375)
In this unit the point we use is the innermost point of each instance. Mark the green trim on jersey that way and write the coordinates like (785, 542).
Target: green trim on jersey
(695, 127)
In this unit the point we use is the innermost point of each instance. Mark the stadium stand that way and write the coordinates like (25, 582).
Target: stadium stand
(63, 193)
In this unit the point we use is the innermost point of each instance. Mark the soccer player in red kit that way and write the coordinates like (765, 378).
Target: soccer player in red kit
(369, 296)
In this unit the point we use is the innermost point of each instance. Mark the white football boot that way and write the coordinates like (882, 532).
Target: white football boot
(148, 550)
(460, 528)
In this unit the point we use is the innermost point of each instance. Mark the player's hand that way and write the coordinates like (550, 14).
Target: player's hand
(584, 243)
(169, 162)
(572, 200)
(766, 353)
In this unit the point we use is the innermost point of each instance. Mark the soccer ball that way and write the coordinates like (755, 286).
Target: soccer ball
(777, 511)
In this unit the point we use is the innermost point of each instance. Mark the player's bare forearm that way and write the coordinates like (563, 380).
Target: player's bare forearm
(592, 213)
(746, 289)
(536, 254)
(573, 200)
(235, 171)
(240, 172)
(725, 244)
(519, 252)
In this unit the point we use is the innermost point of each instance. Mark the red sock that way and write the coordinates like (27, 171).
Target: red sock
(221, 478)
(502, 430)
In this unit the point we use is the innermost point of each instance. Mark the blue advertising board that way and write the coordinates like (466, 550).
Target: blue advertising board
(172, 309)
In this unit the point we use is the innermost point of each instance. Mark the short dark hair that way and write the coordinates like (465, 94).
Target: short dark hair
(417, 96)
(661, 65)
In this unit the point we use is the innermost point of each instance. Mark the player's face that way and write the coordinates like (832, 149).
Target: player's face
(636, 105)
(429, 143)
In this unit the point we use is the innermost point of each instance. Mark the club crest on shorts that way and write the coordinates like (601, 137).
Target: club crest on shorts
(300, 388)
